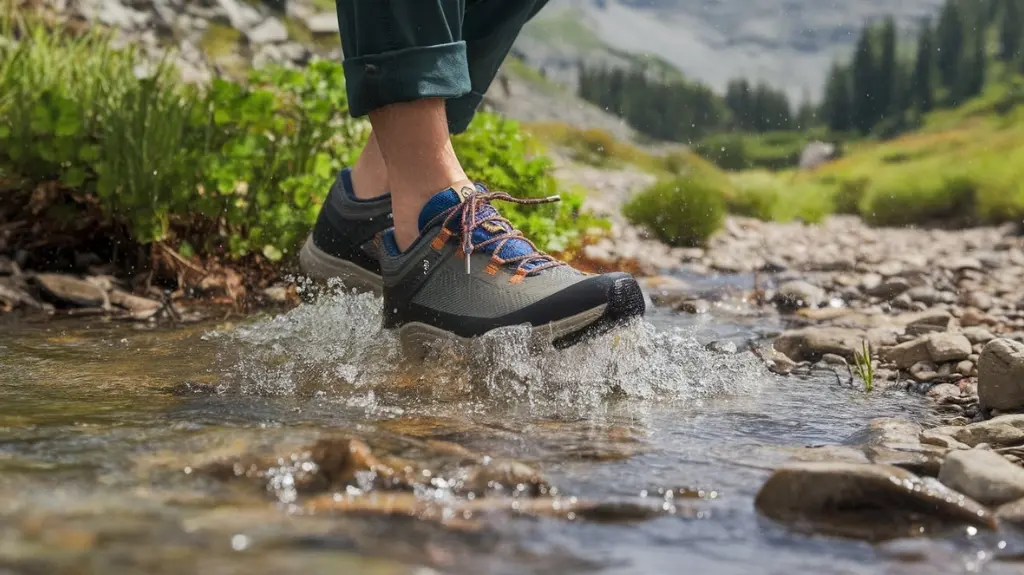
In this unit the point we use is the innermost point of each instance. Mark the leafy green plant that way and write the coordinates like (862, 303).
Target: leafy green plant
(683, 211)
(228, 169)
(863, 363)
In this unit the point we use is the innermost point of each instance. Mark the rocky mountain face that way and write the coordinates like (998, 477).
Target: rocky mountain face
(788, 43)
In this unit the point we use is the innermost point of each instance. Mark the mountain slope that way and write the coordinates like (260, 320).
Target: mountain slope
(788, 43)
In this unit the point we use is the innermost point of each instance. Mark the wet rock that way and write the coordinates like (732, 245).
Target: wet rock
(810, 344)
(71, 290)
(983, 475)
(930, 322)
(889, 288)
(693, 306)
(271, 31)
(1002, 431)
(947, 347)
(924, 294)
(924, 460)
(723, 347)
(1001, 375)
(504, 476)
(944, 391)
(834, 360)
(908, 353)
(831, 453)
(794, 295)
(870, 501)
(888, 430)
(133, 302)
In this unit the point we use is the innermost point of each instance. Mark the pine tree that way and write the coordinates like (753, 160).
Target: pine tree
(1011, 30)
(974, 66)
(922, 82)
(887, 70)
(950, 44)
(806, 115)
(837, 107)
(863, 84)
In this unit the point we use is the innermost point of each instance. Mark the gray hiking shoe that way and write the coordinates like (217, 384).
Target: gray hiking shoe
(345, 242)
(470, 272)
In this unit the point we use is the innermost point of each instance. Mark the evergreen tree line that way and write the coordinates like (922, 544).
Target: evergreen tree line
(881, 89)
(885, 85)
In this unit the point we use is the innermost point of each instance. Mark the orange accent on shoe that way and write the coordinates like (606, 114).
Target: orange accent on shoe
(491, 269)
(440, 239)
(517, 277)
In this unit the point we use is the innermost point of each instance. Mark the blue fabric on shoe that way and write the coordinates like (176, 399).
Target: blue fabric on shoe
(390, 244)
(446, 199)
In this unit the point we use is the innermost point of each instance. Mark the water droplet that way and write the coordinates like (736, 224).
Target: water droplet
(239, 542)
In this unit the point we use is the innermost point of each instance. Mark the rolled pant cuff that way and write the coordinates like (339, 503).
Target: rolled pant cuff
(461, 111)
(376, 80)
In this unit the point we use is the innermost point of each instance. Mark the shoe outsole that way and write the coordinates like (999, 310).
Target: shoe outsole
(321, 266)
(626, 302)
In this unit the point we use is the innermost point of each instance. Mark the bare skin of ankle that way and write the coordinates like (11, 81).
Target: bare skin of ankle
(413, 140)
(370, 173)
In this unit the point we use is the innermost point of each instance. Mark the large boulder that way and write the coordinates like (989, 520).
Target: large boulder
(1001, 375)
(983, 475)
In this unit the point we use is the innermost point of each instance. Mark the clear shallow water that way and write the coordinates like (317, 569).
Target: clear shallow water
(103, 430)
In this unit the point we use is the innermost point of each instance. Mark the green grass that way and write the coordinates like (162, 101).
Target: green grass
(863, 363)
(230, 170)
(563, 27)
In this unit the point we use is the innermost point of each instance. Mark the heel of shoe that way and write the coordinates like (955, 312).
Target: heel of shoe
(322, 267)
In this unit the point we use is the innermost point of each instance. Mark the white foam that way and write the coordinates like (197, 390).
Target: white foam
(337, 347)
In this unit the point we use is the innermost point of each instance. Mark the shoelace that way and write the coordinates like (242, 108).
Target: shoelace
(471, 204)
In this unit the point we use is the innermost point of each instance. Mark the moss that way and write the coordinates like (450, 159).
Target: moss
(220, 40)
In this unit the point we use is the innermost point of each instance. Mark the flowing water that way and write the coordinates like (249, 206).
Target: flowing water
(106, 430)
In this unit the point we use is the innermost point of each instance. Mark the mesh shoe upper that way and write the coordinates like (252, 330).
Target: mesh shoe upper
(509, 282)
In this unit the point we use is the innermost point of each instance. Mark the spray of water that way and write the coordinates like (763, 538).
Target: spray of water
(336, 347)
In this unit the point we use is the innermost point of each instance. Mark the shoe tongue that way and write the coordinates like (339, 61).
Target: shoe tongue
(450, 198)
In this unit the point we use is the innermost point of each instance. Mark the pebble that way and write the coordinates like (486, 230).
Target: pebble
(1001, 375)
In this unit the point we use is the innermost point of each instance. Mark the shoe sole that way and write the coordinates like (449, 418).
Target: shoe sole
(322, 267)
(417, 338)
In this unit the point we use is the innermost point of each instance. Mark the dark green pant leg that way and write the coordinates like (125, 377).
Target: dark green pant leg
(402, 50)
(489, 30)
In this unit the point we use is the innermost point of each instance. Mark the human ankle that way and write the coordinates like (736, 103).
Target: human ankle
(370, 173)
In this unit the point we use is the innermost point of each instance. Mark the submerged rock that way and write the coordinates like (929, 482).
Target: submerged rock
(797, 294)
(506, 476)
(867, 501)
(811, 343)
(983, 475)
(1001, 375)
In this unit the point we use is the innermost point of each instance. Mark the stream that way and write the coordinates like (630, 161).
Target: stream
(106, 428)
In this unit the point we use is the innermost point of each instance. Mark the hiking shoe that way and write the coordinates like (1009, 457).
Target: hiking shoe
(345, 242)
(470, 272)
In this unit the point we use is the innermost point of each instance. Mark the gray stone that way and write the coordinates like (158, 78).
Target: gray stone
(924, 371)
(240, 15)
(794, 295)
(825, 495)
(1012, 513)
(965, 367)
(938, 438)
(977, 299)
(924, 294)
(1002, 431)
(887, 430)
(811, 343)
(326, 24)
(943, 391)
(843, 453)
(963, 263)
(68, 289)
(907, 354)
(1001, 375)
(133, 302)
(271, 31)
(983, 475)
(977, 335)
(815, 154)
(890, 288)
(946, 347)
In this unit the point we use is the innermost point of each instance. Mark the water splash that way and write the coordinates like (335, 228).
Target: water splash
(336, 347)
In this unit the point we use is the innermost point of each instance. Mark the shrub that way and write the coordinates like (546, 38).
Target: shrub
(229, 169)
(683, 211)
